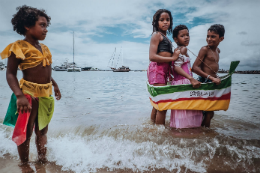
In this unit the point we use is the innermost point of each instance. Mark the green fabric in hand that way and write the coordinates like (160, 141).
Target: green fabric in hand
(12, 114)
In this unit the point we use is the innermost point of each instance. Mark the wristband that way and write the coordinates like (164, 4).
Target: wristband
(207, 77)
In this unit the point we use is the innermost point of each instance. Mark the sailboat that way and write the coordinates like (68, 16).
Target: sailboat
(73, 67)
(119, 69)
(63, 67)
(2, 66)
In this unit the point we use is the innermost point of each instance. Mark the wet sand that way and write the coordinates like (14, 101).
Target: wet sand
(10, 165)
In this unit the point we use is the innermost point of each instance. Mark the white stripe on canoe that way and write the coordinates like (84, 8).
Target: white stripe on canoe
(191, 94)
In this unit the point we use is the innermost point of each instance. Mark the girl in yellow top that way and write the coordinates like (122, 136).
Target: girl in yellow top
(34, 59)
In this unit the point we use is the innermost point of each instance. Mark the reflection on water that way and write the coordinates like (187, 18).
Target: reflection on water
(102, 123)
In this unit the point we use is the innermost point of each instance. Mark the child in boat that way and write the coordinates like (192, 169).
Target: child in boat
(206, 65)
(160, 55)
(183, 75)
(32, 95)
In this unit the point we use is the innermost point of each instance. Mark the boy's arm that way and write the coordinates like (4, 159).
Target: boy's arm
(11, 72)
(197, 64)
(56, 89)
(153, 56)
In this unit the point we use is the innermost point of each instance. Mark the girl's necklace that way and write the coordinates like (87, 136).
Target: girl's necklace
(35, 45)
(167, 39)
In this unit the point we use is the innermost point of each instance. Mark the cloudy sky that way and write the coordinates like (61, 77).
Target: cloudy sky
(101, 26)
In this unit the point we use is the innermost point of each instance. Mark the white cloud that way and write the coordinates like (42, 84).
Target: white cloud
(90, 18)
(237, 17)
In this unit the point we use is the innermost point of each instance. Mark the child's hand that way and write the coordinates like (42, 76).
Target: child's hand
(176, 54)
(23, 104)
(57, 92)
(177, 51)
(217, 81)
(195, 83)
(170, 78)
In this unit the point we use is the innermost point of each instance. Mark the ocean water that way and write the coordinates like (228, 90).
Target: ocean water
(102, 124)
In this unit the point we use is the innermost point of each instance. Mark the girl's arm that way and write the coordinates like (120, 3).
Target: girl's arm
(56, 89)
(22, 103)
(53, 82)
(180, 71)
(153, 56)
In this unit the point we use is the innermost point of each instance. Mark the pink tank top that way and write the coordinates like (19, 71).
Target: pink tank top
(183, 62)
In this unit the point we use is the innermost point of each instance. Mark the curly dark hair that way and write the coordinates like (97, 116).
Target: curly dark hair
(156, 17)
(178, 28)
(27, 16)
(217, 28)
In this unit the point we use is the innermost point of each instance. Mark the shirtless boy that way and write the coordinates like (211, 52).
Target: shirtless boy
(206, 65)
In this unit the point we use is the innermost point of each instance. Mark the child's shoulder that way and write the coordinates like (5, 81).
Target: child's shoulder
(46, 49)
(183, 50)
(16, 48)
(19, 44)
(156, 33)
(157, 36)
(204, 49)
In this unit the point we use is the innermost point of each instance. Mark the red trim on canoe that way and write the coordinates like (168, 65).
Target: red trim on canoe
(223, 97)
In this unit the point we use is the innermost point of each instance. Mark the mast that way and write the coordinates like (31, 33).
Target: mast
(122, 57)
(73, 47)
(111, 60)
(118, 58)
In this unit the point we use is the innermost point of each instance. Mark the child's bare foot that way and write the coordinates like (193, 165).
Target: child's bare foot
(41, 168)
(151, 122)
(25, 167)
(207, 119)
(153, 115)
(42, 160)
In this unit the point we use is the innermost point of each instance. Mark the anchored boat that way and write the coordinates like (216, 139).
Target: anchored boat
(85, 68)
(121, 69)
(2, 66)
(113, 65)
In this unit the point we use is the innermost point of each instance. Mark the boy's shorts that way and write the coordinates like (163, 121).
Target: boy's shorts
(204, 80)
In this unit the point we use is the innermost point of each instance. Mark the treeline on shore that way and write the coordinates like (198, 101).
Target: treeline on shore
(242, 72)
